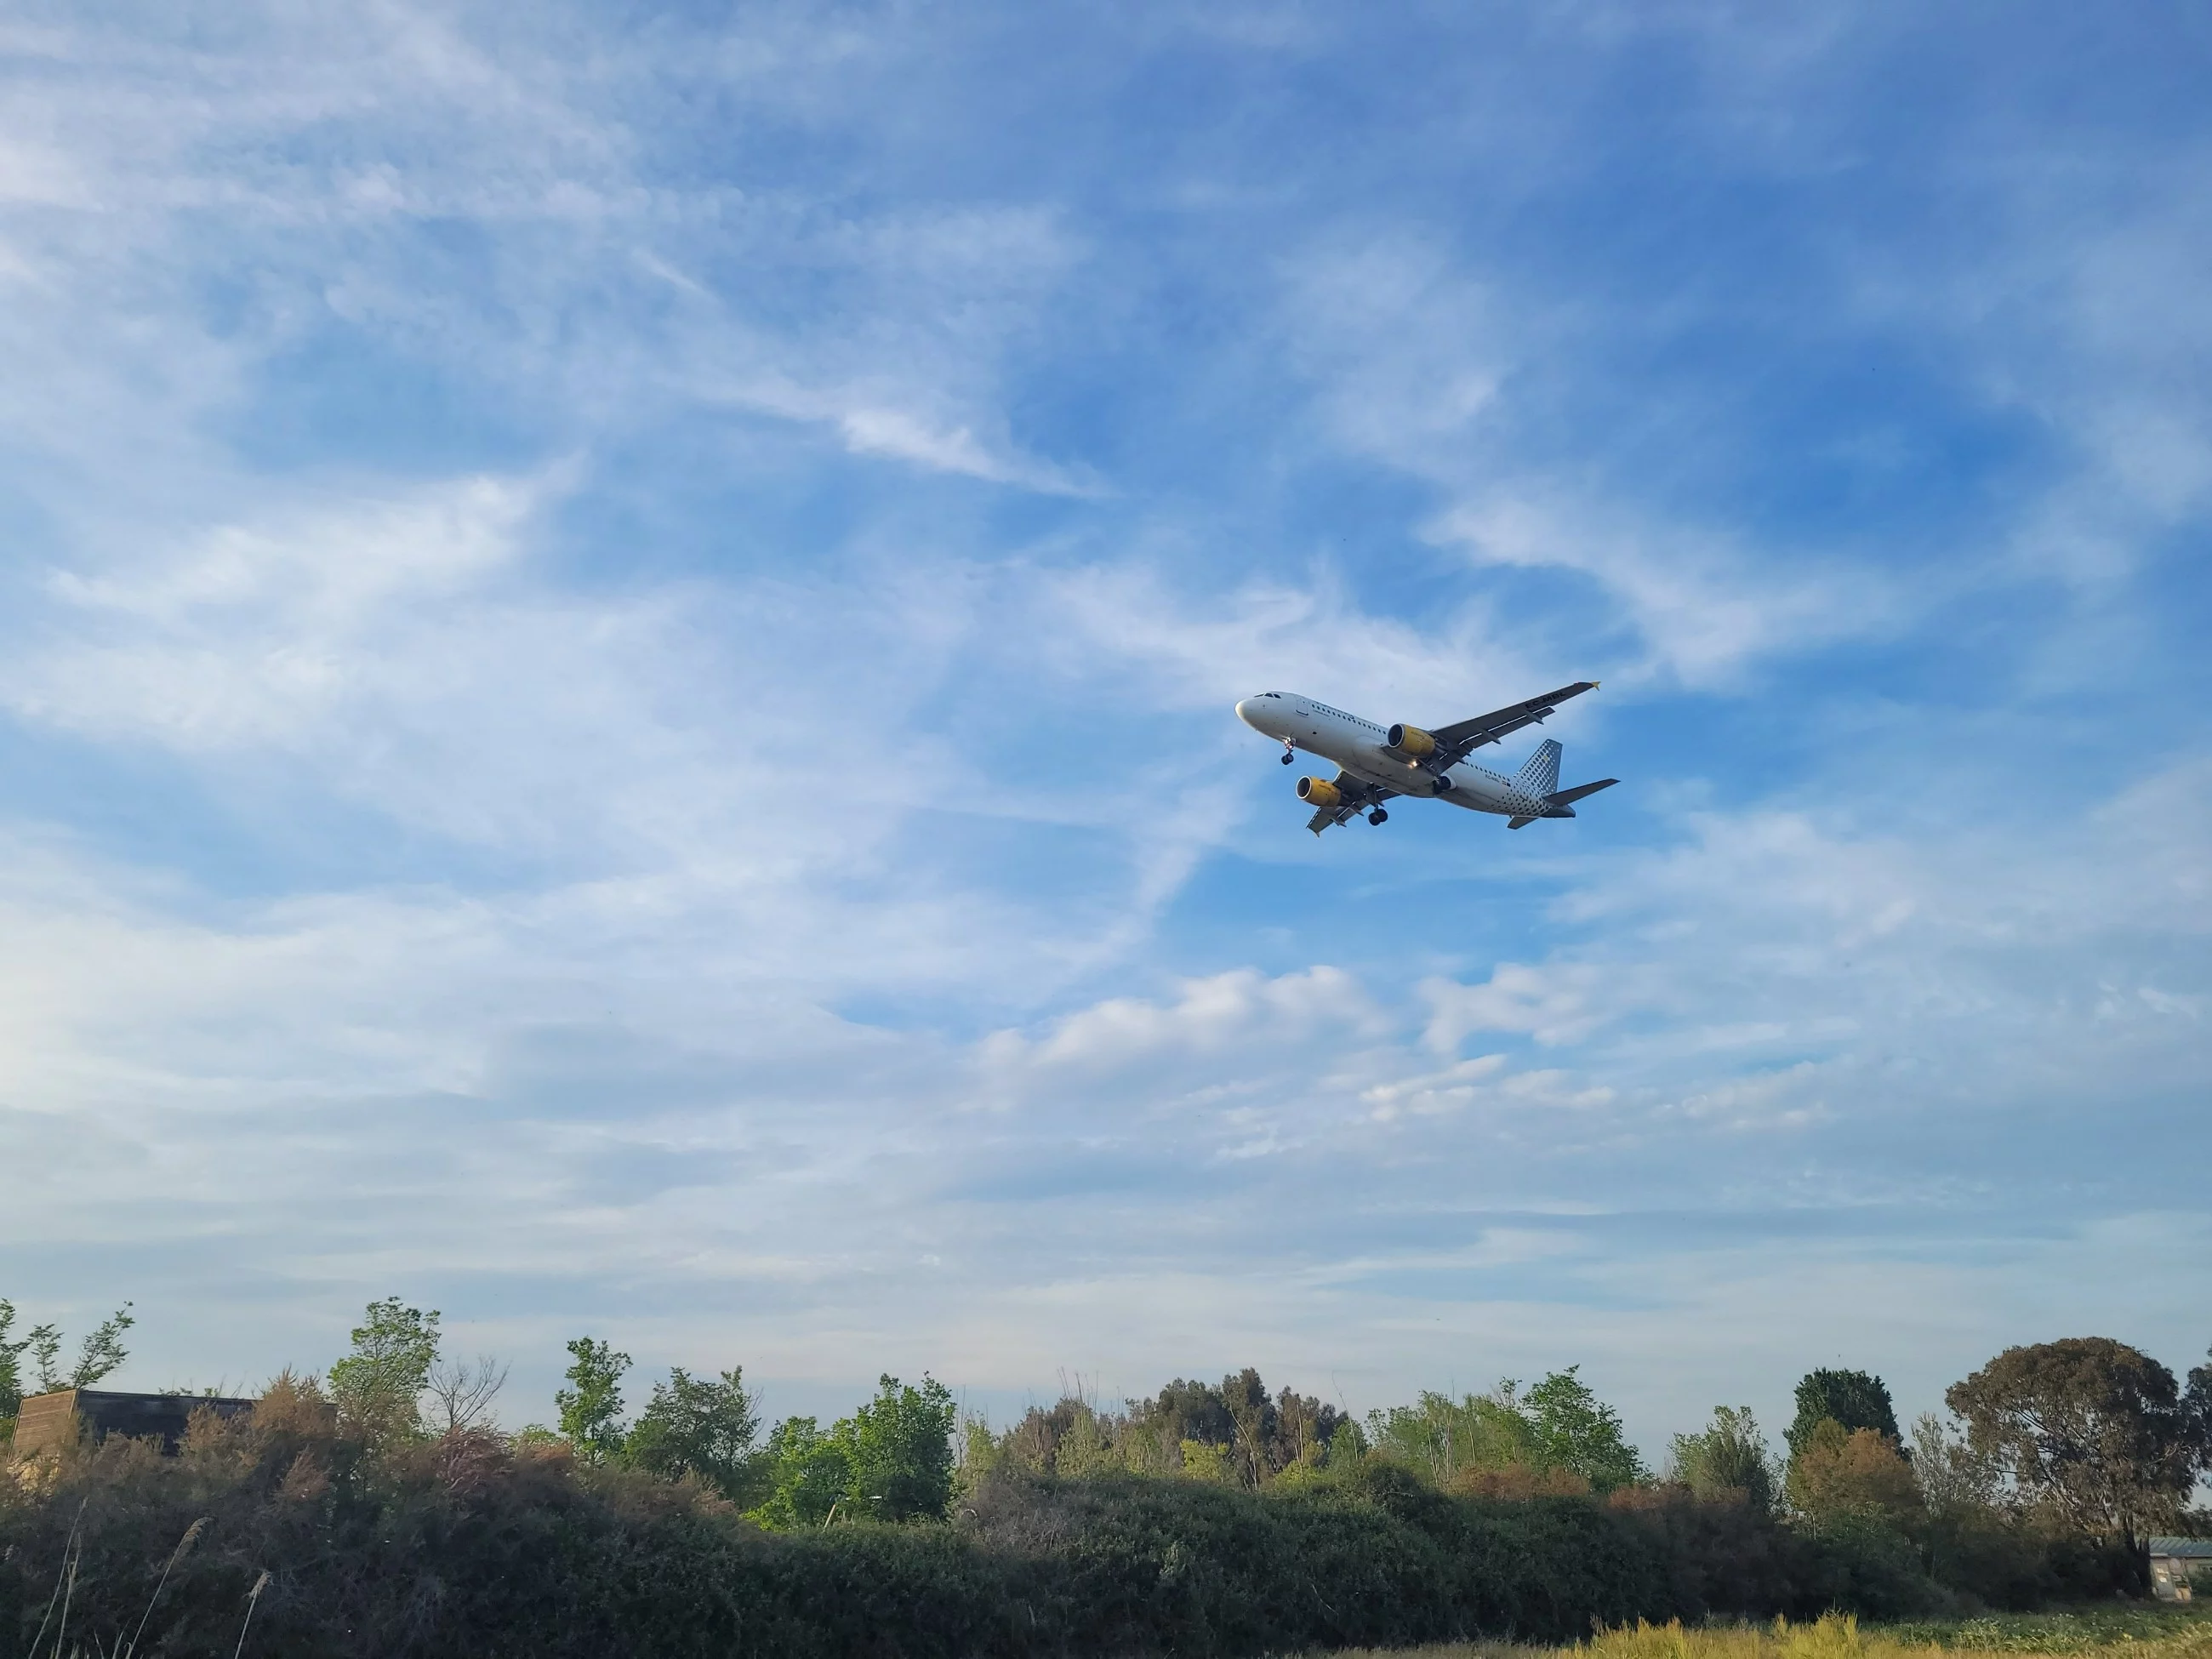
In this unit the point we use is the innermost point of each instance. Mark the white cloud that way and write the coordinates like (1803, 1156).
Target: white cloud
(1553, 1004)
(174, 215)
(1773, 1100)
(1178, 646)
(1233, 1011)
(1703, 607)
(262, 632)
(1418, 366)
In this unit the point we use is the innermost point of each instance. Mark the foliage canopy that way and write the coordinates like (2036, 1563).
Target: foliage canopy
(377, 1387)
(1729, 1454)
(2088, 1427)
(703, 1426)
(1853, 1399)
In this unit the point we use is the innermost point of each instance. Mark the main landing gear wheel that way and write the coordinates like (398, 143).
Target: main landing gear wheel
(1378, 816)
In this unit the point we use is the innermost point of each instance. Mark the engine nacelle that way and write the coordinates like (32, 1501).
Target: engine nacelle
(1411, 740)
(1319, 792)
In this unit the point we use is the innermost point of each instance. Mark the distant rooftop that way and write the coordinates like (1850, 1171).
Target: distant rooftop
(48, 1421)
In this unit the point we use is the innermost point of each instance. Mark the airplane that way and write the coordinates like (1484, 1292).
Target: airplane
(1376, 764)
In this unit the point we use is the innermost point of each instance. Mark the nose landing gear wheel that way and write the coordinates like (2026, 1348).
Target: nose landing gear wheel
(1378, 816)
(1289, 754)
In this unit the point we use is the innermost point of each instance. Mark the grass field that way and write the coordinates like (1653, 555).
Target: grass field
(2140, 1632)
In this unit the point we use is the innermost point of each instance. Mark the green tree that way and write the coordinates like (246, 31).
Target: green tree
(11, 1363)
(2197, 1408)
(1573, 1429)
(1215, 1466)
(1952, 1475)
(1729, 1454)
(808, 1474)
(699, 1426)
(102, 1353)
(1252, 1414)
(1085, 1448)
(591, 1411)
(378, 1388)
(980, 1453)
(1859, 1473)
(1444, 1438)
(1304, 1429)
(46, 1346)
(2087, 1427)
(1346, 1445)
(1856, 1400)
(900, 1446)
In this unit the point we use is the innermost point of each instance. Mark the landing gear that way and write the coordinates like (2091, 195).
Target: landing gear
(1378, 816)
(1289, 754)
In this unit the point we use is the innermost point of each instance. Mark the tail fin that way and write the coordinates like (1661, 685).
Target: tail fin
(1540, 775)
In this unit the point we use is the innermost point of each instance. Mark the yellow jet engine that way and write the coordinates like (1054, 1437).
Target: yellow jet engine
(1411, 740)
(1317, 791)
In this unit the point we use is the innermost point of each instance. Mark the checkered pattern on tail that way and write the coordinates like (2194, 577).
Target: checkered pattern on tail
(1541, 776)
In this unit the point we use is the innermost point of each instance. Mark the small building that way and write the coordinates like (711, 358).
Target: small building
(47, 1422)
(2174, 1562)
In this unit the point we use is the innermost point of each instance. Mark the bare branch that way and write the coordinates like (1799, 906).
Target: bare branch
(462, 1392)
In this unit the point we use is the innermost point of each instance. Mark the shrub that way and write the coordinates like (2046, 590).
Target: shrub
(472, 1543)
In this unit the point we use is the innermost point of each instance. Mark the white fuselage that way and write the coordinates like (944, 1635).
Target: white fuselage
(1360, 748)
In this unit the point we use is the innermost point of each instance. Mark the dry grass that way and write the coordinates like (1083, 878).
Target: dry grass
(2140, 1632)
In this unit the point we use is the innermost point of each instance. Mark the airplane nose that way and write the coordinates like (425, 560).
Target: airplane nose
(1244, 711)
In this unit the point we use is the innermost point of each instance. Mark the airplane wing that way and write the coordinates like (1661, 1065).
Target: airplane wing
(1358, 795)
(1460, 738)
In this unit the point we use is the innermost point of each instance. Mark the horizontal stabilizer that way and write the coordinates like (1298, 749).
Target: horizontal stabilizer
(1519, 823)
(1567, 797)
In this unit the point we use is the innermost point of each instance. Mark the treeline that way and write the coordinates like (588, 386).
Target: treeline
(376, 1510)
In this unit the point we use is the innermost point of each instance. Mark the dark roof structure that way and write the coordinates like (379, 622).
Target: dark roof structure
(51, 1421)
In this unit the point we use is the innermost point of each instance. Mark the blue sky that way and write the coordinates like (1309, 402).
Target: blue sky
(617, 628)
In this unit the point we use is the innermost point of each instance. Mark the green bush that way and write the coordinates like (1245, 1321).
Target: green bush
(471, 1543)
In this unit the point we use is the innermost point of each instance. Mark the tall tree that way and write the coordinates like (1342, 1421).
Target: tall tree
(1859, 1473)
(377, 1387)
(2197, 1404)
(1252, 1414)
(46, 1346)
(591, 1409)
(1573, 1429)
(900, 1449)
(11, 1363)
(699, 1426)
(1952, 1475)
(2090, 1427)
(807, 1473)
(1446, 1437)
(102, 1353)
(1304, 1429)
(462, 1392)
(1193, 1410)
(1852, 1400)
(1728, 1455)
